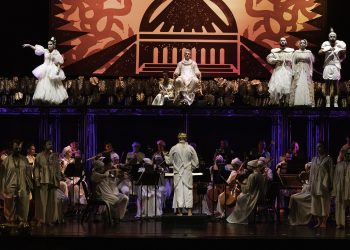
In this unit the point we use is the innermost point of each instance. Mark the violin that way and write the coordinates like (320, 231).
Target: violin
(118, 170)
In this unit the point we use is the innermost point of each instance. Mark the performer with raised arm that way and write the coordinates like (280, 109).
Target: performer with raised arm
(50, 75)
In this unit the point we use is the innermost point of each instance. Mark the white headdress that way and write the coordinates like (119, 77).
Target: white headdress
(53, 40)
(332, 32)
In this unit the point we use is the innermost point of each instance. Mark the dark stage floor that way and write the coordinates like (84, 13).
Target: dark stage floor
(157, 234)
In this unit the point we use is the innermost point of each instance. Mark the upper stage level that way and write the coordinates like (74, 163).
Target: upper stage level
(244, 111)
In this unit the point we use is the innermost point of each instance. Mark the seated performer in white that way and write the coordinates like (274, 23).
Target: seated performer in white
(50, 75)
(187, 81)
(103, 190)
(252, 191)
(166, 87)
(146, 198)
(300, 203)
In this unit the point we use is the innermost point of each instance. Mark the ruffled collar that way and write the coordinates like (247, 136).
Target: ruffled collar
(185, 62)
(277, 50)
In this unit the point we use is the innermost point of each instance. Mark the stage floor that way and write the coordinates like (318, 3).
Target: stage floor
(148, 233)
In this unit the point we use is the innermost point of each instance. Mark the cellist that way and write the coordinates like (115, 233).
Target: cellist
(251, 193)
(235, 168)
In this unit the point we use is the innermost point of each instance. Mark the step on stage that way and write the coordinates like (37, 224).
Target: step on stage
(184, 220)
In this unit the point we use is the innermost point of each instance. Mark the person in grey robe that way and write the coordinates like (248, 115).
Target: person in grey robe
(15, 185)
(300, 203)
(321, 177)
(184, 159)
(341, 188)
(103, 190)
(47, 177)
(252, 191)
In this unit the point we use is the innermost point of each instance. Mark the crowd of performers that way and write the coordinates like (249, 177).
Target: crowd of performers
(291, 83)
(39, 188)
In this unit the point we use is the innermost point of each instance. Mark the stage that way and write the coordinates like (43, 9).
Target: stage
(156, 234)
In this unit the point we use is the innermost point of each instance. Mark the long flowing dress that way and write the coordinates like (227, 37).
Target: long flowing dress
(302, 89)
(247, 200)
(281, 77)
(184, 159)
(166, 92)
(49, 88)
(187, 81)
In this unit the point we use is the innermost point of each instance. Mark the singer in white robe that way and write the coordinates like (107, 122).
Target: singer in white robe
(184, 159)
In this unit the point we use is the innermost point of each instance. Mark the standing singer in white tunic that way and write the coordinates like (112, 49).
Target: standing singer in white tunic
(184, 159)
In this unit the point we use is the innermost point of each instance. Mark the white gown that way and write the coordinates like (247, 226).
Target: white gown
(50, 88)
(281, 77)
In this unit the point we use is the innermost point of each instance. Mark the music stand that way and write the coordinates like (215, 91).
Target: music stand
(201, 180)
(75, 169)
(134, 168)
(219, 178)
(148, 177)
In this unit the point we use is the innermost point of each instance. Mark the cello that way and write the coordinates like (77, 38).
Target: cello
(229, 196)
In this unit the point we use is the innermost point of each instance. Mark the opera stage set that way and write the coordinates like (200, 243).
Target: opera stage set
(141, 39)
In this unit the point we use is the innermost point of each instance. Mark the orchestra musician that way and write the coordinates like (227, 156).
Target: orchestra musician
(251, 192)
(229, 197)
(213, 190)
(102, 189)
(149, 197)
(165, 185)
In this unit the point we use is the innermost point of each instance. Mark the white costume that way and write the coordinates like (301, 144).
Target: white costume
(103, 190)
(281, 77)
(332, 61)
(50, 88)
(321, 177)
(166, 92)
(187, 81)
(341, 191)
(302, 89)
(149, 197)
(252, 191)
(300, 207)
(184, 159)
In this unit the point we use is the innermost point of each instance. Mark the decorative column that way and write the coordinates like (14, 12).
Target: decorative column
(280, 135)
(89, 139)
(43, 129)
(317, 130)
(55, 132)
